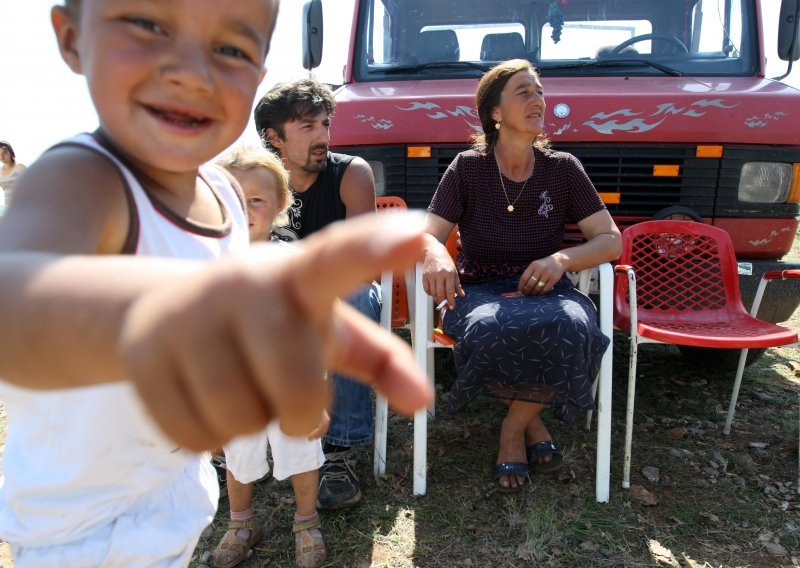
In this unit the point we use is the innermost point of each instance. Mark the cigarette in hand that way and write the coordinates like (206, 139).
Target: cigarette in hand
(441, 305)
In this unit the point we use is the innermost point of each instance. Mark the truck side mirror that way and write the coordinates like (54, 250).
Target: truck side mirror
(788, 44)
(312, 34)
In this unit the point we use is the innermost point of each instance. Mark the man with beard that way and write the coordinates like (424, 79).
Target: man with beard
(293, 120)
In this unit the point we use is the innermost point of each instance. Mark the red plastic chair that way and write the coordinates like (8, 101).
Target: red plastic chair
(768, 277)
(677, 282)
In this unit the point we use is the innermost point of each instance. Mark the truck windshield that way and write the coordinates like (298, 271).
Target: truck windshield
(421, 39)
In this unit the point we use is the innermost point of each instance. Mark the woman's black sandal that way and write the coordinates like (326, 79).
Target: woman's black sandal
(537, 451)
(510, 468)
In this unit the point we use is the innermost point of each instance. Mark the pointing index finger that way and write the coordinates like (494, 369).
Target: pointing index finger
(346, 254)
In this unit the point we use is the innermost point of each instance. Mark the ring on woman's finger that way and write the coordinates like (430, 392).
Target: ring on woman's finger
(534, 278)
(541, 284)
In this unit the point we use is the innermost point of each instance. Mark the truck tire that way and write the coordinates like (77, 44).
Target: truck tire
(723, 359)
(678, 212)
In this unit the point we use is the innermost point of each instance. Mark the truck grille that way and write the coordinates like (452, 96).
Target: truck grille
(627, 171)
(706, 185)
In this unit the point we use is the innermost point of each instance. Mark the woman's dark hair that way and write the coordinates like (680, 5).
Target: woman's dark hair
(487, 97)
(6, 146)
(291, 101)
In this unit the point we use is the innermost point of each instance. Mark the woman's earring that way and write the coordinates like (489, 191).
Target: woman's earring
(497, 126)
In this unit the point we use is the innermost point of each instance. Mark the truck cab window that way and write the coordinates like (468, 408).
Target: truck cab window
(413, 39)
(585, 39)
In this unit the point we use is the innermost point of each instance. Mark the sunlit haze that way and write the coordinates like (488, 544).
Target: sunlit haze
(43, 102)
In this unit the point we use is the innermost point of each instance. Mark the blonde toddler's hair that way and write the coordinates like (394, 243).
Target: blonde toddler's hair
(249, 157)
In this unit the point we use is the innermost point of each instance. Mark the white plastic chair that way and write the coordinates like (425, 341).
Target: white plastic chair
(425, 342)
(397, 312)
(391, 318)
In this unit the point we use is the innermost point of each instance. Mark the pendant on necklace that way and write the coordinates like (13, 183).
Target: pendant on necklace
(510, 208)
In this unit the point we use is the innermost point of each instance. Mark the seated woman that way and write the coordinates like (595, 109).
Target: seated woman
(525, 334)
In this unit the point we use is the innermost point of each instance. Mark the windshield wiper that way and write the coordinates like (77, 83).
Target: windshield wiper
(433, 65)
(615, 63)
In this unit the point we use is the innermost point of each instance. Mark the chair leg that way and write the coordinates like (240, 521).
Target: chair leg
(737, 383)
(431, 370)
(421, 452)
(626, 467)
(605, 378)
(381, 404)
(603, 473)
(594, 397)
(423, 351)
(381, 427)
(423, 327)
(602, 398)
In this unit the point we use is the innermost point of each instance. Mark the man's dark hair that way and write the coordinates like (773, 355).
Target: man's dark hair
(291, 101)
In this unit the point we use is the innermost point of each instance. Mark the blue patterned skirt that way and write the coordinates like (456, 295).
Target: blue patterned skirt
(545, 349)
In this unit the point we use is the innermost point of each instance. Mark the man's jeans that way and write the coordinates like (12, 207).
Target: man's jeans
(351, 417)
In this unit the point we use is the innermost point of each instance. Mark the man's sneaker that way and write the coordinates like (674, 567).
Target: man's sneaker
(338, 484)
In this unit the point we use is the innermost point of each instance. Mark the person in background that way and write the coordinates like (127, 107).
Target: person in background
(525, 334)
(135, 332)
(265, 185)
(10, 171)
(293, 120)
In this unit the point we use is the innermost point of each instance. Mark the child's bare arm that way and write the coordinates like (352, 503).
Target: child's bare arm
(215, 349)
(62, 315)
(71, 201)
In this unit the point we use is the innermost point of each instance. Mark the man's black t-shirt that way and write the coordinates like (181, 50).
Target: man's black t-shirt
(321, 204)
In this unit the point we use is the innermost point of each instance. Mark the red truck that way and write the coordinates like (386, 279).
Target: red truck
(665, 103)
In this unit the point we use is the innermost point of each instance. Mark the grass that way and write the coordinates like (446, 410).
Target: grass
(722, 501)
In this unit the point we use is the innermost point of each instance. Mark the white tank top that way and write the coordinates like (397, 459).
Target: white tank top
(75, 459)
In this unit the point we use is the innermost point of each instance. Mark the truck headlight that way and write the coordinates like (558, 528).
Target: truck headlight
(379, 173)
(765, 182)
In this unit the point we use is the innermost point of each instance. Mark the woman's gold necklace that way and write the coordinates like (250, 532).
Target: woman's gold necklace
(510, 207)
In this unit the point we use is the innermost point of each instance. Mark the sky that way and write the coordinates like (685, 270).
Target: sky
(43, 102)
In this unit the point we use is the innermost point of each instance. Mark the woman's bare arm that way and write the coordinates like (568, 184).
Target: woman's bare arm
(440, 278)
(603, 244)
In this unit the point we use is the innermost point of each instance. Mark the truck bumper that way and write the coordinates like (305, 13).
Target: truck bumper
(781, 297)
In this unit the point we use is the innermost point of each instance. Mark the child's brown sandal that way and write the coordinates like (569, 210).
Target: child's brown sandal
(309, 550)
(233, 549)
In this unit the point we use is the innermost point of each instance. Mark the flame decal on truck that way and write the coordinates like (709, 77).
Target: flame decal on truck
(761, 120)
(378, 124)
(772, 234)
(601, 123)
(465, 112)
(563, 129)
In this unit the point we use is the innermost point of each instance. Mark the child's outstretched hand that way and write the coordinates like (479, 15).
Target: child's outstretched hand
(221, 352)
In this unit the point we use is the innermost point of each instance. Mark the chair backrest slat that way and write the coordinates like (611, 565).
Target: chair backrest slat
(400, 312)
(683, 269)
